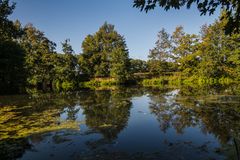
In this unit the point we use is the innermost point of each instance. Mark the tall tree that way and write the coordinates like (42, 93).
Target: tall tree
(163, 44)
(183, 46)
(216, 50)
(39, 57)
(183, 43)
(216, 55)
(161, 53)
(66, 68)
(105, 54)
(12, 72)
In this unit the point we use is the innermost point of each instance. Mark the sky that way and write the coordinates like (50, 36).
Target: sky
(75, 19)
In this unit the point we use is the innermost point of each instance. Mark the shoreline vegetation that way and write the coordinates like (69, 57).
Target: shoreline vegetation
(99, 83)
(29, 60)
(174, 80)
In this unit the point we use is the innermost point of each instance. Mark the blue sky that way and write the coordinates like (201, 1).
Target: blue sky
(74, 19)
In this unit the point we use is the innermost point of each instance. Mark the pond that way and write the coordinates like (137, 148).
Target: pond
(122, 123)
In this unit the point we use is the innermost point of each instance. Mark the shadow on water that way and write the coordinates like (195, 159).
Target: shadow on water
(124, 123)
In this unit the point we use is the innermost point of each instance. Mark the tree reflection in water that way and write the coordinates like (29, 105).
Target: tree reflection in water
(214, 114)
(55, 119)
(106, 112)
(25, 117)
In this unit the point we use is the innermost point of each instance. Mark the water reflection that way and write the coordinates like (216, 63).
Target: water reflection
(163, 123)
(218, 115)
(107, 113)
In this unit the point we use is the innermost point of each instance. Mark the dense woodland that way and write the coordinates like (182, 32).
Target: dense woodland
(28, 59)
(210, 55)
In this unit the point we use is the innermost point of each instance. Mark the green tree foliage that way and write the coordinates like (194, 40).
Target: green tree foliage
(219, 53)
(163, 47)
(66, 68)
(232, 9)
(87, 58)
(46, 69)
(39, 57)
(183, 46)
(66, 47)
(28, 57)
(105, 54)
(7, 29)
(212, 54)
(160, 56)
(183, 43)
(120, 64)
(12, 72)
(138, 66)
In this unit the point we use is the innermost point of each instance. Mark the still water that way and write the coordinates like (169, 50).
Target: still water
(122, 123)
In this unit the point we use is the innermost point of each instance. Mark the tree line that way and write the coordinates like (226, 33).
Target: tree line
(209, 54)
(29, 59)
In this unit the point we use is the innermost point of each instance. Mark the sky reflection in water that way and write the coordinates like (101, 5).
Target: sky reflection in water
(127, 123)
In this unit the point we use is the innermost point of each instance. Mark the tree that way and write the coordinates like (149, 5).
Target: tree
(210, 55)
(204, 6)
(70, 61)
(12, 72)
(183, 46)
(87, 58)
(120, 64)
(66, 47)
(163, 44)
(66, 68)
(177, 40)
(105, 54)
(7, 29)
(138, 66)
(39, 59)
(160, 55)
(234, 56)
(217, 51)
(215, 55)
(183, 43)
